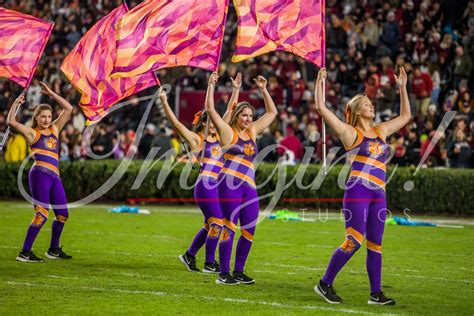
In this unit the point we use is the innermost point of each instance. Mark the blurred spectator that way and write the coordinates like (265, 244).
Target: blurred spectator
(17, 148)
(146, 140)
(459, 151)
(422, 87)
(291, 143)
(162, 142)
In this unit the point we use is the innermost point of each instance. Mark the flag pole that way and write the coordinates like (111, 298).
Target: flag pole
(323, 65)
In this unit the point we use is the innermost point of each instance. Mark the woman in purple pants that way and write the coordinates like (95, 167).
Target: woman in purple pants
(205, 191)
(45, 184)
(364, 202)
(237, 190)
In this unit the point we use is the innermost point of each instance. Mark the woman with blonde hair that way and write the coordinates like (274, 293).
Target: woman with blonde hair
(44, 181)
(237, 189)
(364, 202)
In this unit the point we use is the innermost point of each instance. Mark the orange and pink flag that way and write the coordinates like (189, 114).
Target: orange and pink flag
(22, 41)
(162, 33)
(295, 26)
(89, 66)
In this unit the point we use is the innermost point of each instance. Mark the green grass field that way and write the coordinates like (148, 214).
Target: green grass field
(126, 263)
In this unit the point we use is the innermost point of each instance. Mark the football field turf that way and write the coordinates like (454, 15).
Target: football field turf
(128, 263)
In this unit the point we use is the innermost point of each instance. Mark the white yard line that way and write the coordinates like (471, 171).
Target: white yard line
(195, 297)
(431, 278)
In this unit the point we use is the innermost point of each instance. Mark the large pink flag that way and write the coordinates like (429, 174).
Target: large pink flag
(90, 63)
(295, 26)
(163, 33)
(22, 41)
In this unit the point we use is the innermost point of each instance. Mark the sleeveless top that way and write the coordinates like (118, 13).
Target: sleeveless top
(45, 149)
(239, 157)
(213, 161)
(368, 163)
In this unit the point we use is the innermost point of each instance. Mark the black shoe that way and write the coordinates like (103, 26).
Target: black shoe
(327, 292)
(212, 267)
(243, 278)
(189, 261)
(380, 299)
(226, 279)
(28, 256)
(57, 253)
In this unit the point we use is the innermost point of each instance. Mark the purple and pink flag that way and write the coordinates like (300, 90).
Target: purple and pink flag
(22, 41)
(89, 66)
(295, 26)
(162, 33)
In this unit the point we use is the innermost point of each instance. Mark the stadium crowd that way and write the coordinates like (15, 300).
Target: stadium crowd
(366, 41)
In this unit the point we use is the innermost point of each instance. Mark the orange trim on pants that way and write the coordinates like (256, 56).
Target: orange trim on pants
(374, 247)
(62, 219)
(217, 221)
(354, 233)
(246, 235)
(229, 224)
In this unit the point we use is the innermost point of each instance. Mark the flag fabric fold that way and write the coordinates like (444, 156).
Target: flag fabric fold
(163, 33)
(89, 66)
(295, 26)
(22, 41)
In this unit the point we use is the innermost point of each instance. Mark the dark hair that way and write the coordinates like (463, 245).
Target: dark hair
(238, 109)
(199, 125)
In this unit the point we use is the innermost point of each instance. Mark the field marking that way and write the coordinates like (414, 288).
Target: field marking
(364, 272)
(297, 267)
(181, 296)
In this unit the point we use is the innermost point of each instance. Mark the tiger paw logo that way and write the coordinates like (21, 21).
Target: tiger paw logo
(375, 149)
(249, 150)
(225, 236)
(348, 246)
(50, 143)
(216, 152)
(214, 232)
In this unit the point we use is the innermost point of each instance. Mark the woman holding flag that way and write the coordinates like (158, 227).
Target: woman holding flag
(365, 203)
(44, 181)
(205, 146)
(237, 188)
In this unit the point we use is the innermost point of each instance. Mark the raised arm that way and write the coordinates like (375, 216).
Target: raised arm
(65, 114)
(223, 129)
(394, 125)
(259, 125)
(190, 137)
(26, 131)
(234, 99)
(346, 133)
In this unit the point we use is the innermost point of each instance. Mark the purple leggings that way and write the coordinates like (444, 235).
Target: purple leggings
(239, 201)
(207, 198)
(46, 188)
(365, 211)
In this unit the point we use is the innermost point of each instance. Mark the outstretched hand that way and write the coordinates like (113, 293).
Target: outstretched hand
(162, 95)
(261, 82)
(322, 74)
(213, 78)
(20, 100)
(401, 80)
(237, 82)
(46, 90)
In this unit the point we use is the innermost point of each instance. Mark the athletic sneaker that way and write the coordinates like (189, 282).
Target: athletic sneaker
(57, 253)
(327, 292)
(226, 279)
(212, 267)
(28, 256)
(243, 278)
(189, 261)
(380, 299)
